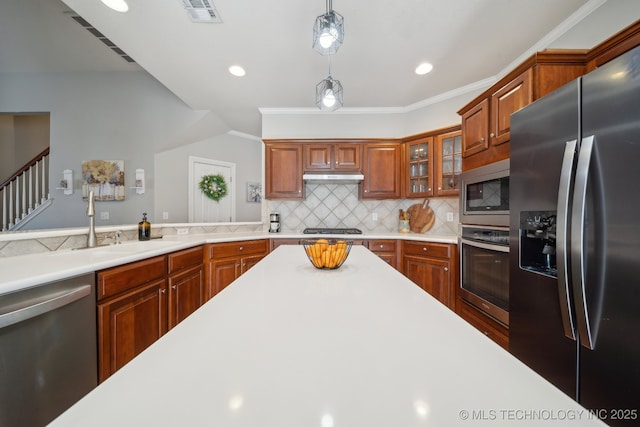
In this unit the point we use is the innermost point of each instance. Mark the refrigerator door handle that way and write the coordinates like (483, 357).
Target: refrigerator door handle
(562, 239)
(577, 242)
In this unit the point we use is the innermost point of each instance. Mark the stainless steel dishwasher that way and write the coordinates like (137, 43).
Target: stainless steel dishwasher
(48, 355)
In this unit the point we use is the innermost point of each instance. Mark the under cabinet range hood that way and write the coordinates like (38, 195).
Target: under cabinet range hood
(333, 177)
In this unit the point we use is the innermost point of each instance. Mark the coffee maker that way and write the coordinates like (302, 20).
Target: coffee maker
(274, 224)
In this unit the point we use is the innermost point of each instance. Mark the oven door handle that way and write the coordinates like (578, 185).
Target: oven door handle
(487, 246)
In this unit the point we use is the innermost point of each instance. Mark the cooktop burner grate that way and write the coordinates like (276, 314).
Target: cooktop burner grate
(332, 231)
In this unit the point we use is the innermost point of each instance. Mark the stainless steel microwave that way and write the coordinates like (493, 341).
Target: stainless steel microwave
(484, 195)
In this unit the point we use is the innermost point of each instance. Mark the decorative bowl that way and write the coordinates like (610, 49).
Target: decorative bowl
(327, 254)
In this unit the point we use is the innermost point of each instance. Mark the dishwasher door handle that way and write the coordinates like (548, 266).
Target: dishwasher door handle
(35, 307)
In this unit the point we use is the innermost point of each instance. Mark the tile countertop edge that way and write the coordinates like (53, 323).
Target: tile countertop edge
(26, 271)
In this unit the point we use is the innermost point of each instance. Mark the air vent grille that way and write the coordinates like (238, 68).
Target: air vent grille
(97, 34)
(202, 11)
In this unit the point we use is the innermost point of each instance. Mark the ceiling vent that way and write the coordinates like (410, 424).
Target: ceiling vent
(111, 45)
(202, 11)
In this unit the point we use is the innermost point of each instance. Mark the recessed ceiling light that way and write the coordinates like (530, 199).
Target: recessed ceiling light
(237, 70)
(117, 5)
(423, 68)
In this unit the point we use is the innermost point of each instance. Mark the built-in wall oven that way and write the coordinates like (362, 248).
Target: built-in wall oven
(484, 239)
(484, 261)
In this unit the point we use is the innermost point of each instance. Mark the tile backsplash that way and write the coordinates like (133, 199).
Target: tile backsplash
(337, 205)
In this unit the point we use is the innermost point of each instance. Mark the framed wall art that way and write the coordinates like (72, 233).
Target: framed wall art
(105, 178)
(254, 192)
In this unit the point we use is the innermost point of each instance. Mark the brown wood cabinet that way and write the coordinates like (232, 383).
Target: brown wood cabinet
(432, 267)
(283, 171)
(448, 150)
(332, 157)
(382, 171)
(419, 161)
(387, 249)
(277, 242)
(186, 284)
(485, 324)
(486, 119)
(132, 311)
(225, 262)
(138, 302)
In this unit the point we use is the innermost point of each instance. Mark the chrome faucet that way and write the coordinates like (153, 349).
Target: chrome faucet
(117, 236)
(92, 240)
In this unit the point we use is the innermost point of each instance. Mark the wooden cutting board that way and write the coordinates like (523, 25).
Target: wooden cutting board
(422, 217)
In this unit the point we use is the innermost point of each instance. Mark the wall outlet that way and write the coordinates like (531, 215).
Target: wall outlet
(165, 215)
(183, 231)
(104, 215)
(449, 216)
(374, 216)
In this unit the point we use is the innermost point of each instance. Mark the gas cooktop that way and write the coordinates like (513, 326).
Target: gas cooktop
(332, 231)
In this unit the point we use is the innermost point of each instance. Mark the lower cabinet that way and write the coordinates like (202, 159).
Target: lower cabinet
(186, 284)
(385, 249)
(140, 301)
(432, 267)
(485, 324)
(225, 262)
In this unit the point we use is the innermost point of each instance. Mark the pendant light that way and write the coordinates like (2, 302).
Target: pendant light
(329, 93)
(328, 32)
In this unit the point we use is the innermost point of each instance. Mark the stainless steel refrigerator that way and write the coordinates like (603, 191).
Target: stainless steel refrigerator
(574, 310)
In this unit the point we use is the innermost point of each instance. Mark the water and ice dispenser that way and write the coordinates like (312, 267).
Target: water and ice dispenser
(538, 242)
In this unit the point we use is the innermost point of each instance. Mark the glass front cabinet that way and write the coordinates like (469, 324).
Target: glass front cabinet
(419, 161)
(433, 163)
(448, 168)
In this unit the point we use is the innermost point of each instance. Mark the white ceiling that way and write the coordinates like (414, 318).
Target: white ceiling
(467, 41)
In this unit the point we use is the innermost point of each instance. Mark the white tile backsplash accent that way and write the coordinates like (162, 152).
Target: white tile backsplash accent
(337, 205)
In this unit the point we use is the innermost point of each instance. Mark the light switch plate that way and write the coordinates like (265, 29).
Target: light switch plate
(104, 215)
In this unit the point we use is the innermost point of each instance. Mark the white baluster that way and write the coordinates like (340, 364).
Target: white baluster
(44, 188)
(24, 194)
(4, 209)
(17, 200)
(10, 204)
(30, 189)
(37, 185)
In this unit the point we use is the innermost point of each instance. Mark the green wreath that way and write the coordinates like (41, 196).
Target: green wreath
(213, 186)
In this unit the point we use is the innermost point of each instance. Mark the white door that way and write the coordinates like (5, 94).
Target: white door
(202, 208)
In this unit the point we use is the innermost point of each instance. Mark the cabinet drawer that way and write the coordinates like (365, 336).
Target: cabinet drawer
(117, 279)
(436, 250)
(183, 259)
(382, 245)
(233, 249)
(491, 328)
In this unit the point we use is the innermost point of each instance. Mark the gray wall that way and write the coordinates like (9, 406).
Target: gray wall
(172, 194)
(126, 115)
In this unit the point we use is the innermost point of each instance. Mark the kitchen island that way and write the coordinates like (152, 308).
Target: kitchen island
(289, 345)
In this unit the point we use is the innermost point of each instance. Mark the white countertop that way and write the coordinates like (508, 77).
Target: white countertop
(287, 345)
(24, 271)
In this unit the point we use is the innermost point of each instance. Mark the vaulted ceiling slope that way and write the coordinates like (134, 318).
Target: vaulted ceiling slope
(467, 41)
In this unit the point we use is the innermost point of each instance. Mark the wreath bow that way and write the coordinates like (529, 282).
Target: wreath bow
(214, 186)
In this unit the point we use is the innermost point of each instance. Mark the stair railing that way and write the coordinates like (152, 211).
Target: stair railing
(25, 191)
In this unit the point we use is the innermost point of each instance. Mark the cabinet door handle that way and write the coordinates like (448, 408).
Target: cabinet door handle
(237, 265)
(163, 291)
(424, 249)
(241, 248)
(481, 139)
(381, 246)
(492, 135)
(446, 269)
(174, 287)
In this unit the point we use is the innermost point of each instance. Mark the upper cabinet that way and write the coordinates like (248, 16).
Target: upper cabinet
(448, 147)
(486, 119)
(328, 157)
(432, 163)
(283, 171)
(418, 167)
(381, 169)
